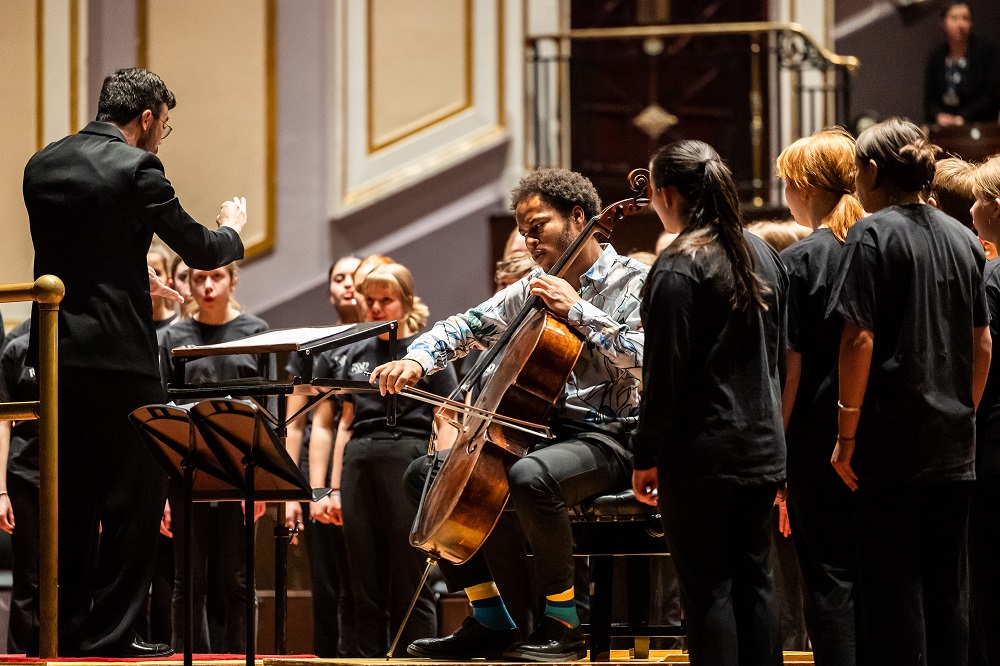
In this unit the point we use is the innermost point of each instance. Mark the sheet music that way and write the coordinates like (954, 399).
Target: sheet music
(285, 339)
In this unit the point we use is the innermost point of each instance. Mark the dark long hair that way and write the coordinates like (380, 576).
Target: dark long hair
(706, 185)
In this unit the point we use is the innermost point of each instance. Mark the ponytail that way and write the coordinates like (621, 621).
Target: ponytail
(705, 182)
(419, 314)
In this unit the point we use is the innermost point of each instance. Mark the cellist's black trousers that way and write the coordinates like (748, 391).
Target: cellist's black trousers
(542, 485)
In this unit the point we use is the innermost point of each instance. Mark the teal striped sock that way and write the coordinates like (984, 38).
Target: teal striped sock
(492, 614)
(564, 611)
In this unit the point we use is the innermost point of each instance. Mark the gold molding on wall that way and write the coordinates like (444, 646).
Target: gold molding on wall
(74, 66)
(266, 244)
(440, 117)
(40, 73)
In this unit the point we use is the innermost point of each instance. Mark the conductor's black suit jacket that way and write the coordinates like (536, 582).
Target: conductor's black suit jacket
(94, 203)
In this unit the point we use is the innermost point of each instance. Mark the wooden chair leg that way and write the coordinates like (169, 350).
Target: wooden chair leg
(600, 607)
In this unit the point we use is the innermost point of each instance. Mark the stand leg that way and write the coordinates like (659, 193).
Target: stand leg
(188, 615)
(600, 608)
(281, 537)
(248, 530)
(413, 602)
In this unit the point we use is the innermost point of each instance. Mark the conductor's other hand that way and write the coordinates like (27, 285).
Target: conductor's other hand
(336, 510)
(394, 376)
(233, 214)
(158, 287)
(6, 514)
(645, 484)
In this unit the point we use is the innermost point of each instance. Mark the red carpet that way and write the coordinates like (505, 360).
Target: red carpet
(21, 659)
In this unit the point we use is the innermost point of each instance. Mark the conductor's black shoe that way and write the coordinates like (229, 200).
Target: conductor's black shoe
(471, 641)
(140, 649)
(550, 641)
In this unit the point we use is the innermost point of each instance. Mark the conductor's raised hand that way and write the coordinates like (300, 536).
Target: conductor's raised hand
(394, 376)
(559, 295)
(645, 485)
(233, 214)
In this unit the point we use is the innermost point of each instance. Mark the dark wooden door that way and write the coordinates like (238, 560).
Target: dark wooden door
(623, 92)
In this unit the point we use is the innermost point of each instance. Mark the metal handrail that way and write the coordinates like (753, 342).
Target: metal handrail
(47, 291)
(702, 29)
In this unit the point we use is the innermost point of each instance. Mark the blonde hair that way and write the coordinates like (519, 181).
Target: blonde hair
(988, 177)
(369, 263)
(825, 161)
(399, 278)
(514, 266)
(954, 179)
(779, 235)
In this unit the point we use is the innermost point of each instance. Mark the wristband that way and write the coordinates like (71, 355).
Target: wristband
(847, 409)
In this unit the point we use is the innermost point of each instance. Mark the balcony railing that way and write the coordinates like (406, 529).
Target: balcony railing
(793, 85)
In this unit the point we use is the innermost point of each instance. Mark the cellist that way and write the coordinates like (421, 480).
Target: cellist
(600, 297)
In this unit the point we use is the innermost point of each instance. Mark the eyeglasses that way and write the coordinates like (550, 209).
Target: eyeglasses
(167, 129)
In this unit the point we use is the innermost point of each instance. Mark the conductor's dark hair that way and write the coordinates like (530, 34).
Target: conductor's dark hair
(900, 150)
(706, 185)
(561, 189)
(128, 92)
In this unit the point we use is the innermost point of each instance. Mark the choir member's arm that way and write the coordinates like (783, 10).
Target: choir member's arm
(664, 375)
(345, 429)
(320, 448)
(793, 372)
(6, 509)
(856, 346)
(293, 445)
(982, 352)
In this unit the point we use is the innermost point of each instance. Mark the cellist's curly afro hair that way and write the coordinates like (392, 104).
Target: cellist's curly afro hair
(559, 188)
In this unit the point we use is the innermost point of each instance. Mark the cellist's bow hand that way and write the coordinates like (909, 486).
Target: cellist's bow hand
(394, 376)
(559, 295)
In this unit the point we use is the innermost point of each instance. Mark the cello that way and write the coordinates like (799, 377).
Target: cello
(462, 505)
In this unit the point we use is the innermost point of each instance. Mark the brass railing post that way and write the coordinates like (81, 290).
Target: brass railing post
(48, 291)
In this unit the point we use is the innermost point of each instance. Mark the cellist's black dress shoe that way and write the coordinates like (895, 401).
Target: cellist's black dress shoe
(550, 641)
(471, 641)
(140, 649)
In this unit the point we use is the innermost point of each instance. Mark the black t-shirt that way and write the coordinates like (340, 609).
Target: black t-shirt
(211, 368)
(163, 323)
(988, 416)
(18, 382)
(913, 276)
(812, 265)
(712, 376)
(413, 417)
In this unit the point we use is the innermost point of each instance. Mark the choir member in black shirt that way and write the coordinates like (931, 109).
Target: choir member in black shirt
(914, 356)
(984, 530)
(709, 448)
(217, 528)
(333, 608)
(819, 180)
(19, 511)
(369, 460)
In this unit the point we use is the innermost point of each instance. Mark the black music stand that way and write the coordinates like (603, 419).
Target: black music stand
(179, 447)
(222, 450)
(307, 343)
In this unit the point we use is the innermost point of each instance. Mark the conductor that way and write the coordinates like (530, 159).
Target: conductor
(94, 201)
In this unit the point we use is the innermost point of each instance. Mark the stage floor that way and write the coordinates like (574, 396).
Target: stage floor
(617, 657)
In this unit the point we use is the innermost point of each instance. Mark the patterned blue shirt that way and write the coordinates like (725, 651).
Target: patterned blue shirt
(604, 386)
